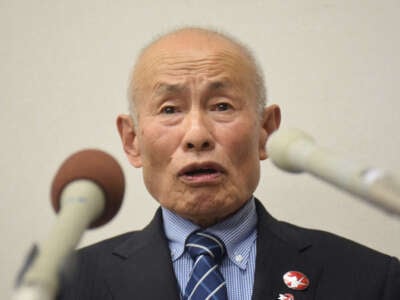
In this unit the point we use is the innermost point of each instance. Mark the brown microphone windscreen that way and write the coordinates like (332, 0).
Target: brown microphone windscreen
(99, 167)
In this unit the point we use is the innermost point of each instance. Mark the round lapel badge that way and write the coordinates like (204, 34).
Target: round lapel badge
(285, 297)
(296, 280)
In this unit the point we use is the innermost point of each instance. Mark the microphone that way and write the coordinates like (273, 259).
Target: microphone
(294, 151)
(86, 168)
(86, 192)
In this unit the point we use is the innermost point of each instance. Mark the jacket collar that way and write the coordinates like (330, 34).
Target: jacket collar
(280, 248)
(133, 277)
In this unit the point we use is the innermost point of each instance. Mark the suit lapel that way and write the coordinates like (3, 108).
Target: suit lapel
(279, 250)
(143, 268)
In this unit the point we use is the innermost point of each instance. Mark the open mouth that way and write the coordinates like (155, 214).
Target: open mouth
(201, 173)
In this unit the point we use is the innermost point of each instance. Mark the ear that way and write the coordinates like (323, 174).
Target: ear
(129, 139)
(270, 122)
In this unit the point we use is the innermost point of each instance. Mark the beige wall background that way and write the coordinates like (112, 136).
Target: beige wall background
(332, 65)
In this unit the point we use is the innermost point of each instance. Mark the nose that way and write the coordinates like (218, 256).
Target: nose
(198, 135)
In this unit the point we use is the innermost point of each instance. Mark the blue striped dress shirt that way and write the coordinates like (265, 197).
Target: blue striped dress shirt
(238, 232)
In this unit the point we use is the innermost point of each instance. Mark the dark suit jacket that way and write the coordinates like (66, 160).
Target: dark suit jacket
(137, 265)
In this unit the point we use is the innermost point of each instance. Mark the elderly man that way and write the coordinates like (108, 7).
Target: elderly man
(198, 129)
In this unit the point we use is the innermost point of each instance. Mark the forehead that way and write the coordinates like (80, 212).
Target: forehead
(195, 57)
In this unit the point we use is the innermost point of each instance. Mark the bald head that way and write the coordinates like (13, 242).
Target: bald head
(193, 42)
(198, 105)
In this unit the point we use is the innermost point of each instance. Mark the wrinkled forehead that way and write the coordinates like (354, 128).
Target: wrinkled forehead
(183, 66)
(201, 58)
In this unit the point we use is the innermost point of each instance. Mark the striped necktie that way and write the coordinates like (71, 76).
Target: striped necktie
(205, 282)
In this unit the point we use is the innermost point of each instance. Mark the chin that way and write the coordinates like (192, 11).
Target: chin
(210, 213)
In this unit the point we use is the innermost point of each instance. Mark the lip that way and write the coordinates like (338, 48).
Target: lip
(200, 178)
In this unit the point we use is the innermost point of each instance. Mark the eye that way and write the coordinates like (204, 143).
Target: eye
(169, 110)
(223, 106)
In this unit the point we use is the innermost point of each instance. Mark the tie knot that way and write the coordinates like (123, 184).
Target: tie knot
(204, 243)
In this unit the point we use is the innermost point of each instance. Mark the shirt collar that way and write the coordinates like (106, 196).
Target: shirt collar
(238, 232)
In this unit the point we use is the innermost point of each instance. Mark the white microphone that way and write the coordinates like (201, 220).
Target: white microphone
(294, 151)
(87, 191)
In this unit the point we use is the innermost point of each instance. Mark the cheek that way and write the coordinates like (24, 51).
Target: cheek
(243, 152)
(159, 146)
(242, 143)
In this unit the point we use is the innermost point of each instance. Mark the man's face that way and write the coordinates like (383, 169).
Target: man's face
(199, 137)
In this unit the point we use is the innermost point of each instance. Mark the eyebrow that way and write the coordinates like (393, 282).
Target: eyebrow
(166, 88)
(219, 85)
